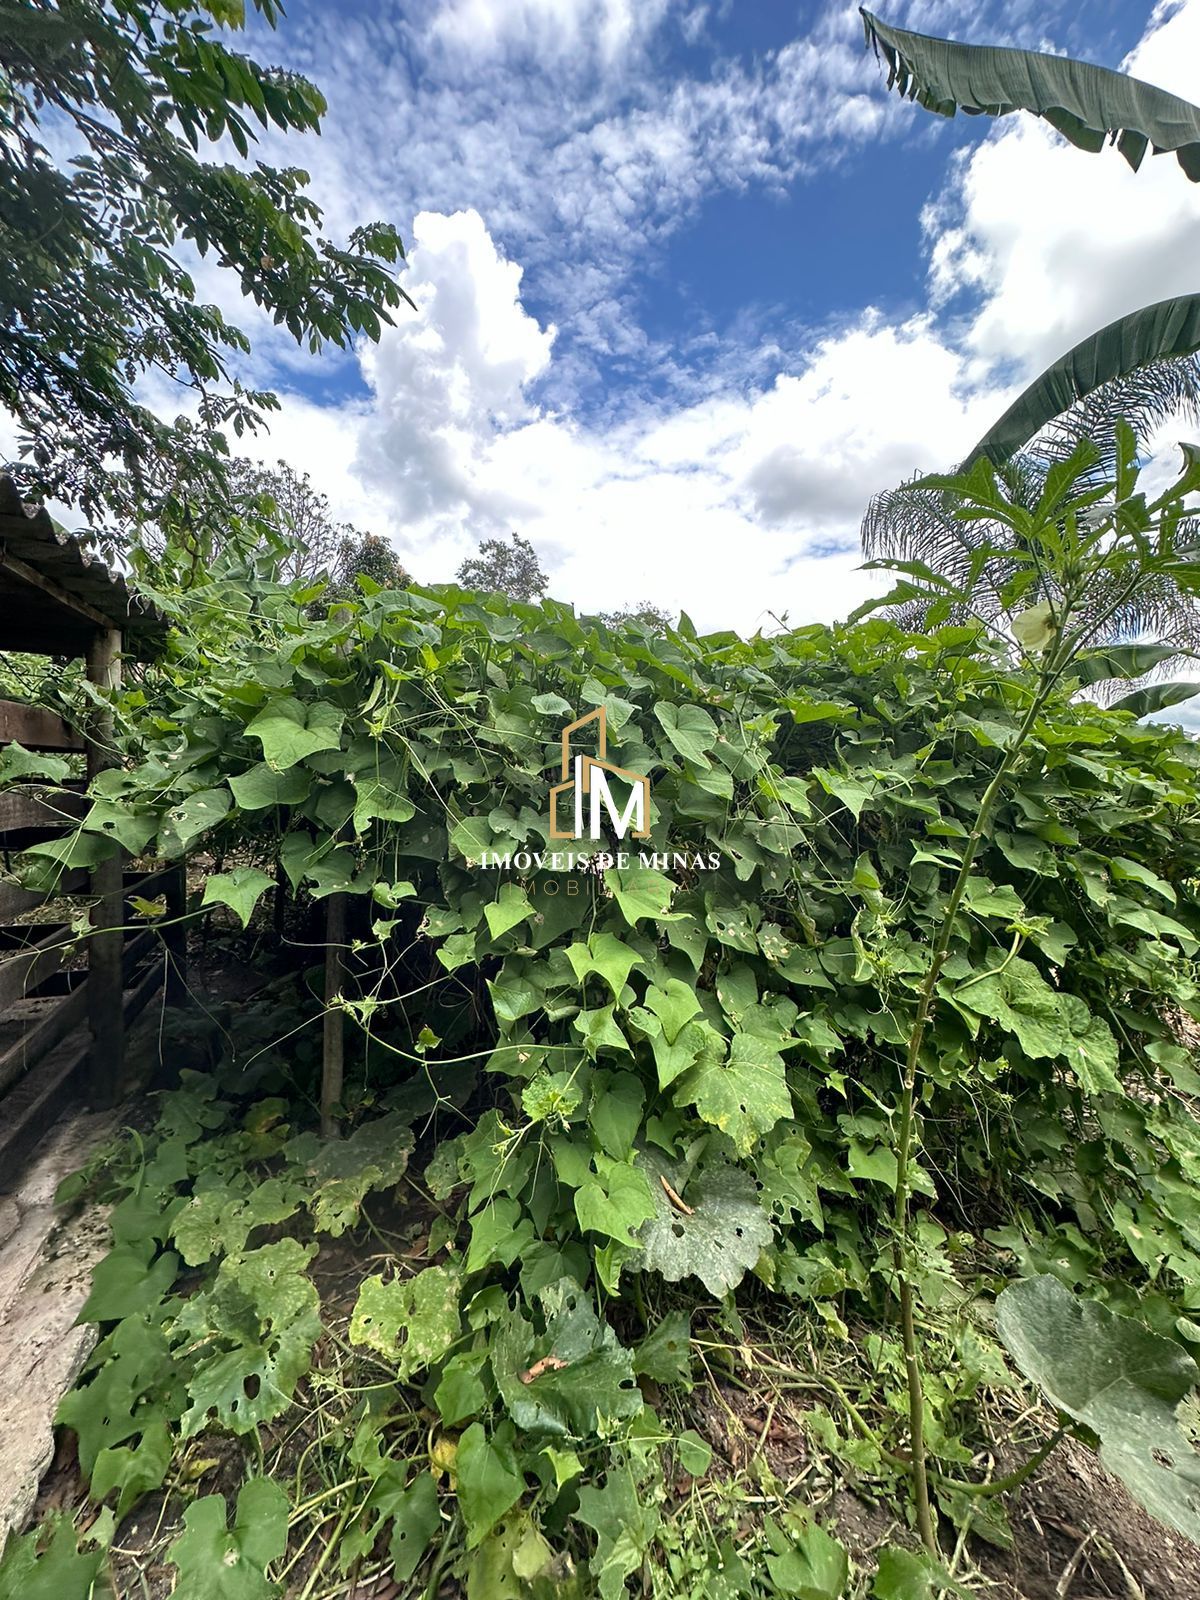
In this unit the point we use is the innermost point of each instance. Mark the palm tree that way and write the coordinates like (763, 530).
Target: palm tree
(916, 522)
(1143, 368)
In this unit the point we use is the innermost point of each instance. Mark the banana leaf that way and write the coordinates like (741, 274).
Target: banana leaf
(1087, 104)
(1167, 328)
(1155, 697)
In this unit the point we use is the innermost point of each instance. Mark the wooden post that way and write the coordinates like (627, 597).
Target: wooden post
(279, 899)
(105, 983)
(334, 1036)
(175, 936)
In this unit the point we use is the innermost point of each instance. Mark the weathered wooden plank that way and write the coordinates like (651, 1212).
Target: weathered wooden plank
(55, 1021)
(35, 1103)
(35, 728)
(22, 812)
(67, 599)
(49, 1021)
(22, 971)
(14, 900)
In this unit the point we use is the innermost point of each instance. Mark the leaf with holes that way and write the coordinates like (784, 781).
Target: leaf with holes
(721, 1235)
(574, 1378)
(216, 1221)
(744, 1096)
(344, 1171)
(411, 1321)
(216, 1562)
(1118, 1378)
(256, 1325)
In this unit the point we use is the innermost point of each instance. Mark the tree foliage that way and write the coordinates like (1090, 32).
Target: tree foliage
(509, 569)
(113, 118)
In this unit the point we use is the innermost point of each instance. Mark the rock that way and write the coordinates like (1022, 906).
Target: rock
(46, 1262)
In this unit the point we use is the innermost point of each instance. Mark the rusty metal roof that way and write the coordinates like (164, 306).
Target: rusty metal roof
(55, 592)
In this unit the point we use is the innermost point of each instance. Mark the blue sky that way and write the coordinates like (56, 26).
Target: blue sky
(690, 284)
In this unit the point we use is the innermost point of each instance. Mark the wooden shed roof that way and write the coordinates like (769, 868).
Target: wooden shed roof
(55, 592)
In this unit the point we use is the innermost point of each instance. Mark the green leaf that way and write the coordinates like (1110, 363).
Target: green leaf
(411, 1321)
(616, 1201)
(1120, 661)
(1119, 1379)
(816, 1566)
(461, 1392)
(63, 1572)
(195, 816)
(472, 837)
(744, 1096)
(604, 954)
(640, 892)
(690, 730)
(665, 1354)
(375, 799)
(910, 1575)
(262, 786)
(599, 1030)
(625, 1522)
(618, 1100)
(551, 705)
(415, 1520)
(1157, 332)
(129, 1279)
(240, 890)
(220, 1563)
(1048, 1022)
(133, 1470)
(257, 1324)
(215, 1221)
(1156, 697)
(721, 1235)
(1126, 871)
(289, 731)
(18, 764)
(696, 1040)
(573, 1379)
(695, 1454)
(673, 1005)
(135, 1368)
(1087, 104)
(343, 1172)
(488, 1479)
(512, 905)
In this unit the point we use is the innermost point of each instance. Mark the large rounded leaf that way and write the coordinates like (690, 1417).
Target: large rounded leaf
(1118, 1378)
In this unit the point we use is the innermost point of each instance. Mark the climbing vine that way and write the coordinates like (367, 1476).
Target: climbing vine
(882, 1016)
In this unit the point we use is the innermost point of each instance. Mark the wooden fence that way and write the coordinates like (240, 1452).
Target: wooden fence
(66, 1000)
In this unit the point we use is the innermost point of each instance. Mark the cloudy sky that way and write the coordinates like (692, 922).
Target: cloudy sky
(690, 284)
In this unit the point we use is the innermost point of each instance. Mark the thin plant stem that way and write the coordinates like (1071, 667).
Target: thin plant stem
(902, 1217)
